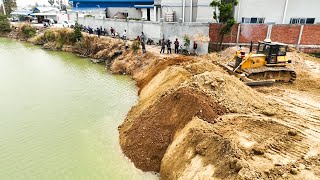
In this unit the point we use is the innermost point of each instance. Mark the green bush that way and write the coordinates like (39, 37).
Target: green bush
(27, 31)
(4, 24)
(135, 46)
(77, 35)
(49, 36)
(186, 41)
(88, 15)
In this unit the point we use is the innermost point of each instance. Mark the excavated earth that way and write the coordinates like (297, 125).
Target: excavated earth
(195, 121)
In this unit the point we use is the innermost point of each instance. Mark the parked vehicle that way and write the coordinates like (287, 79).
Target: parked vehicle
(70, 24)
(14, 19)
(49, 21)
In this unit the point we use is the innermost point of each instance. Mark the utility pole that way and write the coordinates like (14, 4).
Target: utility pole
(99, 11)
(4, 9)
(77, 11)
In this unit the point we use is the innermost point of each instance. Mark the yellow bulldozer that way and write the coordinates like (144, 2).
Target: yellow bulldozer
(264, 67)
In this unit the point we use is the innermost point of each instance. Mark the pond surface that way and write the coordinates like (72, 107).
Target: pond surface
(59, 116)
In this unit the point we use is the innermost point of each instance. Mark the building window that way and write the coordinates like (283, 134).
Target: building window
(125, 14)
(253, 20)
(302, 20)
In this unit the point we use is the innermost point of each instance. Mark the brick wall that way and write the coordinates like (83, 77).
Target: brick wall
(311, 35)
(286, 33)
(253, 32)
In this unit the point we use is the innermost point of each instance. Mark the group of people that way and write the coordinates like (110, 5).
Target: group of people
(167, 43)
(141, 39)
(99, 31)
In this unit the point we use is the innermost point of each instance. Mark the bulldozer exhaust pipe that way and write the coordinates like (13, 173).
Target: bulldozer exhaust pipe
(251, 46)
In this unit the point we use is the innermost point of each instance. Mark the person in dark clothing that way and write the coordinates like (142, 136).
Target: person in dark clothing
(176, 46)
(169, 46)
(98, 32)
(195, 47)
(143, 46)
(112, 31)
(90, 30)
(163, 46)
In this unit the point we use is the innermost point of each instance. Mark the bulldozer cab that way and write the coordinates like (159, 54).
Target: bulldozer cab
(273, 51)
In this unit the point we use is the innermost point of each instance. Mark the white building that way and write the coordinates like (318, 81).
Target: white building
(278, 11)
(247, 11)
(184, 10)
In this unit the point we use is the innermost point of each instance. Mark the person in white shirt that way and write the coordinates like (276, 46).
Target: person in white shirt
(124, 35)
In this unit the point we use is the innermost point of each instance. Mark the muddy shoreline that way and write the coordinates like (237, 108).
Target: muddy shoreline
(194, 120)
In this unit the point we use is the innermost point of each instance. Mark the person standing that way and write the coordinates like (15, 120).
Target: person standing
(195, 47)
(104, 31)
(176, 46)
(169, 46)
(112, 31)
(98, 32)
(143, 46)
(124, 35)
(142, 37)
(163, 46)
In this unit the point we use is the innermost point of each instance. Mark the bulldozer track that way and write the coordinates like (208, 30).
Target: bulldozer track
(280, 74)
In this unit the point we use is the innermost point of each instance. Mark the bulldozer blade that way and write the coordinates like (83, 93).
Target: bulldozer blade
(260, 83)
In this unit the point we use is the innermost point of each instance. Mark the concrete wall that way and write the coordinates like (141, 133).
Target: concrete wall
(273, 10)
(195, 31)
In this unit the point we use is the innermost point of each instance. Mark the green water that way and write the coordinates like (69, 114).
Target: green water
(59, 116)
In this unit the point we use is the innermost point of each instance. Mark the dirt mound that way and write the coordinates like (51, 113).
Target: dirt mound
(258, 137)
(150, 133)
(308, 73)
(147, 74)
(228, 54)
(131, 62)
(232, 93)
(236, 147)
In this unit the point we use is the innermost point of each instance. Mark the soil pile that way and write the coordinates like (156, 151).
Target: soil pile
(150, 133)
(235, 147)
(194, 120)
(171, 98)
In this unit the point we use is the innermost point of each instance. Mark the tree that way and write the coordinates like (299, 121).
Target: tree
(9, 5)
(70, 3)
(225, 17)
(4, 24)
(51, 2)
(1, 10)
(77, 35)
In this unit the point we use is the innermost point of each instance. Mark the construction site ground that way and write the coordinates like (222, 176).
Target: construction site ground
(195, 121)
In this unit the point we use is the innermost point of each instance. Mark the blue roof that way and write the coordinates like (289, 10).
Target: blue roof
(143, 6)
(83, 4)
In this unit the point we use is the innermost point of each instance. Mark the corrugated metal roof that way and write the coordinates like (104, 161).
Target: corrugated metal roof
(143, 6)
(21, 12)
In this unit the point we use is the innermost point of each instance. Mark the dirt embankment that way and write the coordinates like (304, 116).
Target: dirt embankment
(195, 121)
